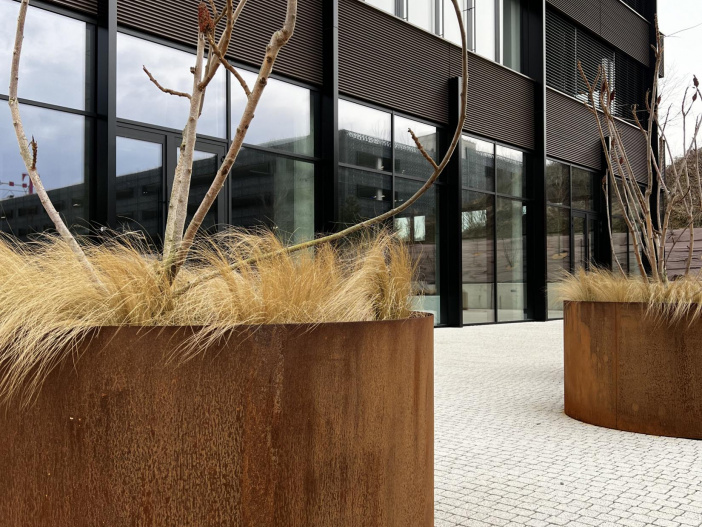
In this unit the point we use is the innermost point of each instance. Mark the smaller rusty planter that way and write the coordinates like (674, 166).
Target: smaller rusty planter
(624, 371)
(283, 425)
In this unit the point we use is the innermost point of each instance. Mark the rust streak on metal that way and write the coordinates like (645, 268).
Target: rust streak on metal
(295, 425)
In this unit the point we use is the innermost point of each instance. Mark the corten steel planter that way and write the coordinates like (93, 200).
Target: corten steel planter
(284, 425)
(624, 370)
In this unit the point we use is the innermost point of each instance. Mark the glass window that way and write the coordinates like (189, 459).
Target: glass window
(205, 167)
(557, 183)
(511, 256)
(61, 163)
(284, 117)
(485, 24)
(409, 161)
(139, 189)
(620, 234)
(478, 160)
(363, 195)
(511, 34)
(452, 31)
(364, 136)
(422, 13)
(583, 189)
(54, 56)
(139, 100)
(386, 5)
(509, 166)
(477, 246)
(557, 254)
(275, 191)
(418, 227)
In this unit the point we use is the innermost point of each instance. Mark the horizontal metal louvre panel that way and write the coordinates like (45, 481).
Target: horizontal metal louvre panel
(572, 135)
(640, 6)
(571, 131)
(86, 6)
(389, 62)
(612, 21)
(632, 83)
(301, 58)
(625, 30)
(566, 45)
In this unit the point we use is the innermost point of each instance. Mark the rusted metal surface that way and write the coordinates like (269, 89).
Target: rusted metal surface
(626, 371)
(327, 425)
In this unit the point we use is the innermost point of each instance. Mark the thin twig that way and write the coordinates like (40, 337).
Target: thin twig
(165, 90)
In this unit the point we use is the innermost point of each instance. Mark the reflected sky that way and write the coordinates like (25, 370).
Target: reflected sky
(283, 117)
(139, 100)
(52, 69)
(61, 140)
(364, 120)
(135, 156)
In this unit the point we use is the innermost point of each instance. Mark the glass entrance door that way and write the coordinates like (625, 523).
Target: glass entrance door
(583, 240)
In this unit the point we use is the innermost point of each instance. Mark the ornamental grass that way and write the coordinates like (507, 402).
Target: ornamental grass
(49, 304)
(671, 302)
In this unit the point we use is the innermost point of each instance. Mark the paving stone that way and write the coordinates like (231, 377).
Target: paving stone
(507, 455)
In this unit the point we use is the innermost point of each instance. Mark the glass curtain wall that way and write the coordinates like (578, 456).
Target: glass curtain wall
(380, 168)
(573, 226)
(272, 181)
(494, 232)
(55, 70)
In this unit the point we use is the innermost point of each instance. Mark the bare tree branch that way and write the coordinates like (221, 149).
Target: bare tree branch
(165, 90)
(30, 157)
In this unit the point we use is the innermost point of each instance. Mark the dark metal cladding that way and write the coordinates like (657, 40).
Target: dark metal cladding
(384, 60)
(624, 374)
(572, 136)
(279, 425)
(606, 18)
(301, 58)
(85, 6)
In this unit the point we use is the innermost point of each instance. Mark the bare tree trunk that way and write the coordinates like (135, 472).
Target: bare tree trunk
(29, 157)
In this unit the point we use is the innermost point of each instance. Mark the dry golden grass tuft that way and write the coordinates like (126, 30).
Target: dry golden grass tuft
(670, 302)
(48, 304)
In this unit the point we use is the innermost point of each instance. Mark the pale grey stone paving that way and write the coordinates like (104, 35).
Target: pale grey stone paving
(507, 455)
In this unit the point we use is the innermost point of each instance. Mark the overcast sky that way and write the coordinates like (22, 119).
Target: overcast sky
(681, 22)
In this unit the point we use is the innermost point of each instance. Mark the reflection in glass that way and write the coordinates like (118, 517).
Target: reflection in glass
(422, 13)
(511, 34)
(591, 242)
(275, 191)
(139, 100)
(284, 117)
(385, 5)
(485, 28)
(478, 163)
(363, 195)
(509, 165)
(620, 234)
(61, 163)
(408, 159)
(511, 260)
(583, 189)
(417, 226)
(557, 183)
(579, 240)
(204, 169)
(54, 56)
(477, 246)
(140, 187)
(364, 136)
(557, 254)
(452, 31)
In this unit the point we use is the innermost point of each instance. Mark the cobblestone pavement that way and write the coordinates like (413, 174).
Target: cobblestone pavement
(506, 454)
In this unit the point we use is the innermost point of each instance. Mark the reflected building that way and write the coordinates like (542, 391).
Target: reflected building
(519, 205)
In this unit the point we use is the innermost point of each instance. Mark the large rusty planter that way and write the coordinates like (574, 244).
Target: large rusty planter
(289, 425)
(625, 371)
